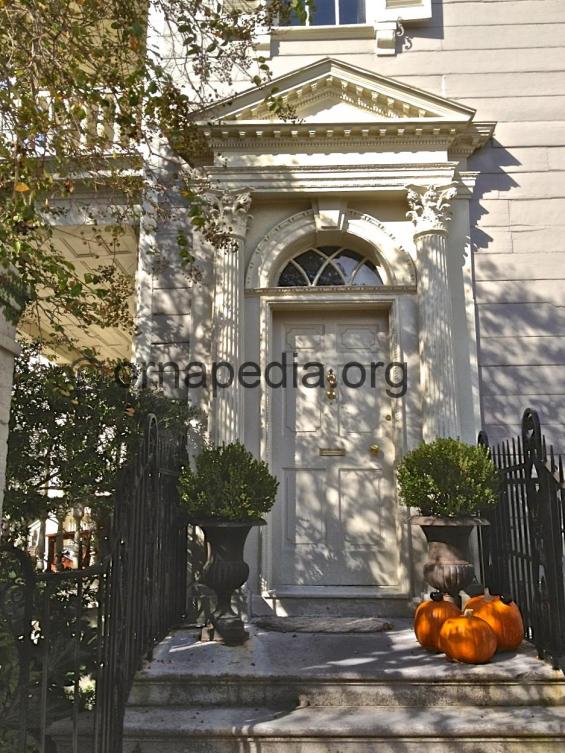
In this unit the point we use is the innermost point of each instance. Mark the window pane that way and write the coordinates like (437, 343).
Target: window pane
(324, 13)
(351, 11)
(310, 263)
(291, 278)
(347, 262)
(367, 275)
(330, 276)
(291, 20)
(347, 267)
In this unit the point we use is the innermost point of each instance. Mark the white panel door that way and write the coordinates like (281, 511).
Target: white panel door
(335, 519)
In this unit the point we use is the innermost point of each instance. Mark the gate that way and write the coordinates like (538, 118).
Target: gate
(101, 622)
(523, 550)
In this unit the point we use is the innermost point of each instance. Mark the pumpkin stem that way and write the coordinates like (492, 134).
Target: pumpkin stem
(468, 613)
(475, 589)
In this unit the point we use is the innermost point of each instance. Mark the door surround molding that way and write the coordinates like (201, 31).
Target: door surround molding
(398, 297)
(405, 413)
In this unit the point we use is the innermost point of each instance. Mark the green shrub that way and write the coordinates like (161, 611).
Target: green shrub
(228, 483)
(448, 478)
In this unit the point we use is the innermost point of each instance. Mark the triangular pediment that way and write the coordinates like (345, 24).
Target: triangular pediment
(331, 91)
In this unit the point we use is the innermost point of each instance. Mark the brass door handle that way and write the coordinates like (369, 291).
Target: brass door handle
(374, 449)
(331, 381)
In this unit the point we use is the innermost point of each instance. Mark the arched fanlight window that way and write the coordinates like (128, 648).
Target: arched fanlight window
(330, 265)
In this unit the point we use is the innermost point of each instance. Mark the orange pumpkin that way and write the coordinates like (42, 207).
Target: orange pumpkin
(468, 639)
(477, 601)
(430, 616)
(503, 615)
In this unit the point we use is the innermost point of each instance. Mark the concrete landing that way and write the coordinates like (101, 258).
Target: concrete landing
(314, 693)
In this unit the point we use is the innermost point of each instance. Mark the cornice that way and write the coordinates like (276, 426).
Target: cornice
(333, 177)
(460, 139)
(474, 137)
(400, 131)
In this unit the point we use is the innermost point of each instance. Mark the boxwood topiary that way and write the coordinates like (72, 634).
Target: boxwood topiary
(227, 483)
(448, 478)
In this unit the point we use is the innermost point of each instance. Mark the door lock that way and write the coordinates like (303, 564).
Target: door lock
(374, 449)
(331, 381)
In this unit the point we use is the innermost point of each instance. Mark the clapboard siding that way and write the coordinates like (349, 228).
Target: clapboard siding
(535, 350)
(492, 12)
(554, 433)
(538, 239)
(473, 38)
(518, 266)
(523, 380)
(517, 109)
(520, 291)
(521, 320)
(524, 212)
(526, 185)
(529, 132)
(505, 409)
(527, 159)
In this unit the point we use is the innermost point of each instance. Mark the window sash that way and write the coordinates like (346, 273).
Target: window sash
(337, 22)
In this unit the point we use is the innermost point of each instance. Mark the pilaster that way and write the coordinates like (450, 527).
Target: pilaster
(430, 211)
(228, 416)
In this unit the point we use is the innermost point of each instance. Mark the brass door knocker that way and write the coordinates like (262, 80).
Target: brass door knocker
(331, 382)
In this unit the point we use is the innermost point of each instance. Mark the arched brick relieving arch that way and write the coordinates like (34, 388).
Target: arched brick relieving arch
(286, 238)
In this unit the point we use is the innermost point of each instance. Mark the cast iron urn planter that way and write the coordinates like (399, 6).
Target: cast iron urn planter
(448, 568)
(224, 571)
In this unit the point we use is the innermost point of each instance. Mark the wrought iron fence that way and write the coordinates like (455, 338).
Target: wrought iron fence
(48, 647)
(522, 552)
(95, 625)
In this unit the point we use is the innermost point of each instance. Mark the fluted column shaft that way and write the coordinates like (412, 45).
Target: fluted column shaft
(430, 214)
(228, 405)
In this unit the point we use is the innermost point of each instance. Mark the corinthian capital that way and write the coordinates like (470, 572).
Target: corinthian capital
(229, 210)
(240, 203)
(228, 203)
(430, 206)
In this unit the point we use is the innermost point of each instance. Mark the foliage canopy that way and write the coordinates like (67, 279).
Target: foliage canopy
(448, 478)
(227, 483)
(71, 432)
(90, 91)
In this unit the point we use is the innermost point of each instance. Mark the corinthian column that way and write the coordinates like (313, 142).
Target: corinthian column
(430, 213)
(228, 320)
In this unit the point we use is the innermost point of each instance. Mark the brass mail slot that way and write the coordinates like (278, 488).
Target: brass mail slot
(331, 452)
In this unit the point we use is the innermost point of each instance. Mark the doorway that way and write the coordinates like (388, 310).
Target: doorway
(335, 522)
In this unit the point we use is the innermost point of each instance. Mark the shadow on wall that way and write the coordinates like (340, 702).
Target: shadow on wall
(430, 29)
(494, 180)
(521, 320)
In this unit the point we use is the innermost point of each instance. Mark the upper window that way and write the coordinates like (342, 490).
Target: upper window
(333, 13)
(330, 265)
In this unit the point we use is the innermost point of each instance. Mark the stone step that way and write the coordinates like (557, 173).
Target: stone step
(383, 669)
(344, 729)
(174, 690)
